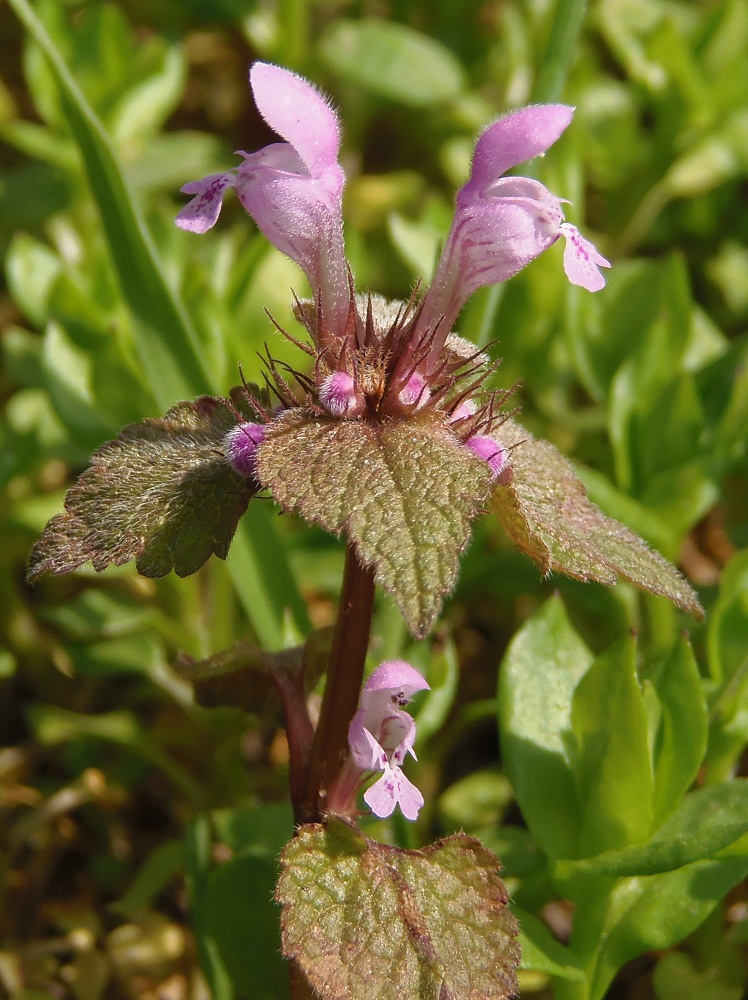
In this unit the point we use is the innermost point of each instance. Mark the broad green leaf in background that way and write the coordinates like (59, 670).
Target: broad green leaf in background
(607, 331)
(68, 374)
(727, 646)
(165, 340)
(677, 975)
(537, 678)
(393, 61)
(706, 821)
(364, 919)
(519, 853)
(610, 758)
(150, 101)
(199, 863)
(542, 952)
(680, 742)
(417, 243)
(727, 635)
(475, 801)
(723, 386)
(31, 268)
(261, 828)
(658, 911)
(236, 909)
(682, 496)
(669, 428)
(242, 920)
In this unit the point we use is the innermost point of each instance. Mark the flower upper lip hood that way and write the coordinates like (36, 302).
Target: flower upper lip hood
(393, 677)
(381, 735)
(293, 189)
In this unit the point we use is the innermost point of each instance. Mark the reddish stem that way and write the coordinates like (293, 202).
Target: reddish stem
(299, 732)
(343, 686)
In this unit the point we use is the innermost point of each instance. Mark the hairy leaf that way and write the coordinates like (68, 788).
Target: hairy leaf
(362, 919)
(405, 493)
(161, 493)
(545, 511)
(247, 677)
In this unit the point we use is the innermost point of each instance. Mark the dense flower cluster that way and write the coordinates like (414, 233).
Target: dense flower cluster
(379, 363)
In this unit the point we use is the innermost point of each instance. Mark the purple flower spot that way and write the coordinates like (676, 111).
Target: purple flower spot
(489, 450)
(241, 445)
(338, 394)
(415, 392)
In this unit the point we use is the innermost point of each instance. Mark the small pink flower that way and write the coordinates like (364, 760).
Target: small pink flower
(381, 734)
(582, 262)
(489, 450)
(337, 393)
(293, 189)
(503, 223)
(415, 392)
(241, 444)
(467, 408)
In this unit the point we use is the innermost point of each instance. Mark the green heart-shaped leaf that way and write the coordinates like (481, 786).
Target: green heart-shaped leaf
(405, 492)
(362, 919)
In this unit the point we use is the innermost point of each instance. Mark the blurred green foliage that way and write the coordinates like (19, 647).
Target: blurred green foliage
(113, 782)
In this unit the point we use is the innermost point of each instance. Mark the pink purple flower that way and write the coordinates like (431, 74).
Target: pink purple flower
(381, 734)
(293, 189)
(490, 451)
(241, 444)
(338, 395)
(502, 223)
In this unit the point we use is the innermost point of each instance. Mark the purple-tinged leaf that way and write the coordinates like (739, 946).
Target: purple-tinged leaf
(545, 511)
(162, 493)
(242, 676)
(405, 493)
(364, 919)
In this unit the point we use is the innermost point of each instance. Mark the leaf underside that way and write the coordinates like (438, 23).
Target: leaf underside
(161, 493)
(405, 492)
(362, 919)
(545, 511)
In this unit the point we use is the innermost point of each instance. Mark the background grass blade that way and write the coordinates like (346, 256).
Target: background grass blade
(165, 339)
